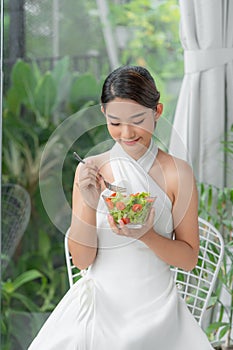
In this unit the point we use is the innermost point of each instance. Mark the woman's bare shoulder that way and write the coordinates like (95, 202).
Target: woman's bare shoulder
(172, 164)
(172, 174)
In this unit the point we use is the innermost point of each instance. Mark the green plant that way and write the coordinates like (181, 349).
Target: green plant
(35, 104)
(154, 36)
(216, 205)
(28, 297)
(14, 299)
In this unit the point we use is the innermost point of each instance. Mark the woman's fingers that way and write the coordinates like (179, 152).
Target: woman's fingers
(113, 225)
(112, 222)
(124, 230)
(89, 175)
(88, 183)
(151, 218)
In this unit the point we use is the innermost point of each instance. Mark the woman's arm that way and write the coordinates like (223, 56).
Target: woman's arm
(183, 250)
(82, 240)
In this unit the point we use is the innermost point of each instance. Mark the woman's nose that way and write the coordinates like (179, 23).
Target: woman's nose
(127, 131)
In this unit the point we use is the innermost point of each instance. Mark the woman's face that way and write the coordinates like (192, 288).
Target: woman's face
(130, 124)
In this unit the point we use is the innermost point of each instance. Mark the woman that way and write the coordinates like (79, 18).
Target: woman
(127, 299)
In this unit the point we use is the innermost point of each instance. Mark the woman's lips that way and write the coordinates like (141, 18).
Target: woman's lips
(130, 142)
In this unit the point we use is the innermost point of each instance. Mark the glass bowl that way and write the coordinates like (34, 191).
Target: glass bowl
(132, 209)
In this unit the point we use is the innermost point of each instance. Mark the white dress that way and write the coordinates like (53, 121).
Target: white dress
(127, 300)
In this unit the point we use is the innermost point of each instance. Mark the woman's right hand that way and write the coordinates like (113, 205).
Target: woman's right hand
(89, 183)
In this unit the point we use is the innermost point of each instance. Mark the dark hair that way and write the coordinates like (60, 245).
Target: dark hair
(131, 82)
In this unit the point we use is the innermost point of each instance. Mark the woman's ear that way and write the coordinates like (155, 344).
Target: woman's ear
(159, 111)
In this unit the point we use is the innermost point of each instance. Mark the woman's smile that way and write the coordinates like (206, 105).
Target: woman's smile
(131, 142)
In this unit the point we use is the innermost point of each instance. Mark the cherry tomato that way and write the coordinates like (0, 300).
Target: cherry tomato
(126, 220)
(109, 203)
(137, 207)
(134, 194)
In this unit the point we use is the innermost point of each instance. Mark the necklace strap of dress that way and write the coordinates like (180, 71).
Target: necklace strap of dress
(148, 158)
(145, 162)
(131, 173)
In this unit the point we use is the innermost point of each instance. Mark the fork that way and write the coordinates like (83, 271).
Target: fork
(111, 187)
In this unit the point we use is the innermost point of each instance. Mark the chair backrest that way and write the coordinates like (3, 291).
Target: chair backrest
(16, 210)
(196, 286)
(73, 272)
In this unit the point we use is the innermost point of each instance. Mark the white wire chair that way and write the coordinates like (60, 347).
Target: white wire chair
(15, 214)
(194, 286)
(73, 272)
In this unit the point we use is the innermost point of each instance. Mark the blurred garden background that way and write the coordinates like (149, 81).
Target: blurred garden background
(56, 54)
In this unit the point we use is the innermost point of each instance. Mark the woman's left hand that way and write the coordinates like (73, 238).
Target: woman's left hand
(136, 233)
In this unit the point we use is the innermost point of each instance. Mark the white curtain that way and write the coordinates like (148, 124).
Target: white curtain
(204, 112)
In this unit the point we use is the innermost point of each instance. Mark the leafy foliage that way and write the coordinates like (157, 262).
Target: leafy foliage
(34, 105)
(152, 29)
(216, 205)
(31, 287)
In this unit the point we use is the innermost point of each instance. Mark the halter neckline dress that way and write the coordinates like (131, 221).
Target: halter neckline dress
(127, 299)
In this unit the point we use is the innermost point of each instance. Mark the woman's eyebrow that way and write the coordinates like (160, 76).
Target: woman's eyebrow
(131, 117)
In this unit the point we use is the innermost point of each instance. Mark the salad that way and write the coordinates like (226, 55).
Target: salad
(131, 209)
